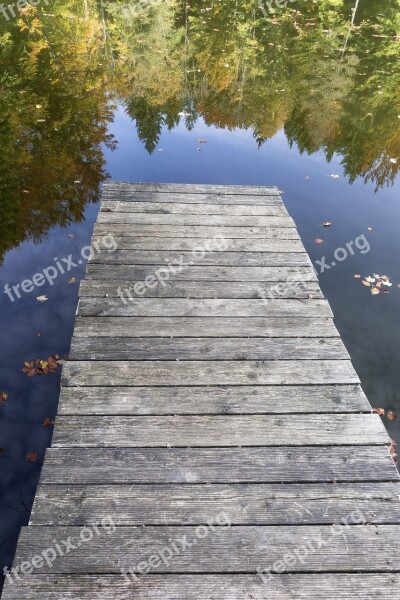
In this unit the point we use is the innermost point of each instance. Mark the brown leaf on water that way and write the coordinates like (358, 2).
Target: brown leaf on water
(367, 283)
(319, 241)
(72, 235)
(71, 280)
(42, 367)
(3, 396)
(379, 411)
(391, 415)
(47, 421)
(357, 276)
(32, 456)
(375, 291)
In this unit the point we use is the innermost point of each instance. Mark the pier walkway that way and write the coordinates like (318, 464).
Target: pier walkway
(213, 441)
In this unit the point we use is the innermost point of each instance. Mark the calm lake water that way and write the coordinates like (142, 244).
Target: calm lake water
(306, 98)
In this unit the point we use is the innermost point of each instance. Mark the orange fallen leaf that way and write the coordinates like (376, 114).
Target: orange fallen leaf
(374, 291)
(47, 421)
(367, 283)
(357, 276)
(319, 241)
(3, 396)
(379, 411)
(32, 456)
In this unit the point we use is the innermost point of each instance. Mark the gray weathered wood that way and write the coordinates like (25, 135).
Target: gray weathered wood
(209, 373)
(269, 199)
(253, 504)
(199, 257)
(191, 188)
(188, 220)
(208, 289)
(211, 400)
(179, 307)
(177, 208)
(195, 231)
(204, 327)
(283, 275)
(202, 431)
(218, 465)
(95, 348)
(188, 244)
(223, 548)
(320, 586)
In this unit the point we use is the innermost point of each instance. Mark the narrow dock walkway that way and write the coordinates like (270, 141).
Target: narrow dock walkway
(213, 441)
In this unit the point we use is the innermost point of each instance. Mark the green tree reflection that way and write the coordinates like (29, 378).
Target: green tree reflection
(325, 71)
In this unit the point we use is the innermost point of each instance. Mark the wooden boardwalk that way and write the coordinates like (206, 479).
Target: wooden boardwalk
(212, 431)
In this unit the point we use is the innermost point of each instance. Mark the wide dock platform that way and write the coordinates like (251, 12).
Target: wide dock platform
(213, 441)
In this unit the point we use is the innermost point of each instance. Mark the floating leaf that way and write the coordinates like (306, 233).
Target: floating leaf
(3, 396)
(357, 276)
(370, 279)
(72, 235)
(327, 223)
(379, 411)
(71, 280)
(391, 415)
(43, 298)
(319, 241)
(366, 283)
(47, 422)
(374, 291)
(32, 456)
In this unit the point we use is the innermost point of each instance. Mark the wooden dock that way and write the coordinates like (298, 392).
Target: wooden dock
(213, 441)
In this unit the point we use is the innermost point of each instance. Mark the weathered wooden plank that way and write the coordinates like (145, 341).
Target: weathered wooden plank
(96, 348)
(182, 307)
(337, 586)
(195, 231)
(204, 327)
(176, 208)
(191, 188)
(223, 549)
(181, 272)
(209, 373)
(204, 430)
(188, 220)
(270, 199)
(218, 465)
(199, 257)
(211, 400)
(253, 504)
(208, 289)
(188, 244)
